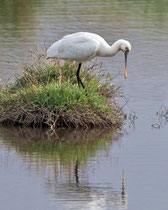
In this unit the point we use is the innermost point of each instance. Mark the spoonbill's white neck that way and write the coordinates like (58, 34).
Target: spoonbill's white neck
(121, 44)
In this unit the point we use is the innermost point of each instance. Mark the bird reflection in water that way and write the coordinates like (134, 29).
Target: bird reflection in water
(63, 164)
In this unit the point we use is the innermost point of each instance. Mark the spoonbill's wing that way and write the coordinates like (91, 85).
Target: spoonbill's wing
(74, 47)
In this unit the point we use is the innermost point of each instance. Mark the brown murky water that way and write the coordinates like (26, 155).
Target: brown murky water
(84, 170)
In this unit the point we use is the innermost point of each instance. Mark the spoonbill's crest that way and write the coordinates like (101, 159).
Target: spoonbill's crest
(84, 46)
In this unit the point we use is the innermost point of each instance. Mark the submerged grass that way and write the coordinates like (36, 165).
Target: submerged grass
(47, 94)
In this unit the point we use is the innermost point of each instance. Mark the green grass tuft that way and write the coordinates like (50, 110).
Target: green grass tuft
(47, 94)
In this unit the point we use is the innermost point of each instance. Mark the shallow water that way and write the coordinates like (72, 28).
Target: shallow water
(69, 176)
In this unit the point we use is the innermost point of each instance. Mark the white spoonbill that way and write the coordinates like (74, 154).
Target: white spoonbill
(84, 46)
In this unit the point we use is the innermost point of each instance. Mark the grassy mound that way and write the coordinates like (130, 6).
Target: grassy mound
(47, 94)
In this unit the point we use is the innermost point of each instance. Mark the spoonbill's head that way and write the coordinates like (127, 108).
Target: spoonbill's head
(126, 48)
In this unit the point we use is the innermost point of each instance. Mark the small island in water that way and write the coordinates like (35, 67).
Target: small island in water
(46, 94)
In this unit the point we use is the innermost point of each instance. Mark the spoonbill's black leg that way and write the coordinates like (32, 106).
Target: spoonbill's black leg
(78, 78)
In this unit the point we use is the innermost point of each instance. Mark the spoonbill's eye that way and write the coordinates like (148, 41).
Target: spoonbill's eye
(126, 48)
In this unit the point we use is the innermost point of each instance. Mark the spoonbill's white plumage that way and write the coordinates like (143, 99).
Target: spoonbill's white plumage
(84, 46)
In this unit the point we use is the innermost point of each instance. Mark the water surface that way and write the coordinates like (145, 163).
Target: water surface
(38, 176)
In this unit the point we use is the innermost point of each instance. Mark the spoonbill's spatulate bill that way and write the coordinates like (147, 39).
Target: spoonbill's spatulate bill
(84, 46)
